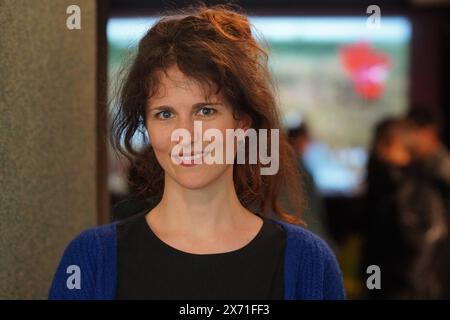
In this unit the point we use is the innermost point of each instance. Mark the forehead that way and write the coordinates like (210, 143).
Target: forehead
(174, 85)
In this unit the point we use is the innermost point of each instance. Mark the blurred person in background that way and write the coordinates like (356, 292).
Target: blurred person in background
(408, 209)
(425, 220)
(386, 176)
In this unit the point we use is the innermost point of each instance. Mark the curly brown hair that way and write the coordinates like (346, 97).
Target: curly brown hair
(215, 46)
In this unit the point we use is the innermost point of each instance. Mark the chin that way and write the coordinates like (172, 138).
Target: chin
(199, 176)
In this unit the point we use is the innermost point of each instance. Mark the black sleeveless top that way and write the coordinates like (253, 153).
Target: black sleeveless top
(148, 268)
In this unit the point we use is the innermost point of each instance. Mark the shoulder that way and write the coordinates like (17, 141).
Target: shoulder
(311, 264)
(92, 241)
(96, 234)
(87, 258)
(303, 240)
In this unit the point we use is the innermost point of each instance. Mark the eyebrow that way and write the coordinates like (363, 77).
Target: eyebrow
(194, 106)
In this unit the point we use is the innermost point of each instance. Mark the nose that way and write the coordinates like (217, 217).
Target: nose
(193, 128)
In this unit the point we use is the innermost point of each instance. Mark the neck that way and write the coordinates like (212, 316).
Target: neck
(201, 211)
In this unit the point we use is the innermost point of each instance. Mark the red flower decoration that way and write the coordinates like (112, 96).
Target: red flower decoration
(367, 68)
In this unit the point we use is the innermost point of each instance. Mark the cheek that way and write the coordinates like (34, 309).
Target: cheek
(160, 138)
(222, 124)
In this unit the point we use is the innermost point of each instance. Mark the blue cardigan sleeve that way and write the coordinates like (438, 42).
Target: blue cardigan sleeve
(333, 287)
(88, 267)
(75, 275)
(311, 269)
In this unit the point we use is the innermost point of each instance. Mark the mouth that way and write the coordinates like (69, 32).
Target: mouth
(190, 160)
(191, 157)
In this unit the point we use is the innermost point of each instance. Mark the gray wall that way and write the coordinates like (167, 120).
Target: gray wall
(47, 139)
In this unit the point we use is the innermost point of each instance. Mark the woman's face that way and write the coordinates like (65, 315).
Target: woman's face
(178, 103)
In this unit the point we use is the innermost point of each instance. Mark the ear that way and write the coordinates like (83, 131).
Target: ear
(244, 122)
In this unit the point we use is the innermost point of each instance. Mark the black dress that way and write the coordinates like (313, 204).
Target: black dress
(148, 268)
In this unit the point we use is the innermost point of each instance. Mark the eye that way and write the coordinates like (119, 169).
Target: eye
(163, 115)
(206, 111)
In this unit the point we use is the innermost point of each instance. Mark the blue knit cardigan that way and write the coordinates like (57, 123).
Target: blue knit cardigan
(310, 270)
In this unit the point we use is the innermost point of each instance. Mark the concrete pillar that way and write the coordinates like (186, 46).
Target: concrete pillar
(48, 139)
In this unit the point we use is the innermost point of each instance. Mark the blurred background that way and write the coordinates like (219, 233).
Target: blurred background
(365, 107)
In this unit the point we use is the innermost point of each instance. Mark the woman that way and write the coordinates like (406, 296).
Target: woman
(210, 236)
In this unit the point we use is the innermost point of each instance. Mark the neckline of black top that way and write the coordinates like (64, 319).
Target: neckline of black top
(168, 248)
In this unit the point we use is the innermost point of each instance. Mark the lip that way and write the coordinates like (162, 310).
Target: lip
(188, 161)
